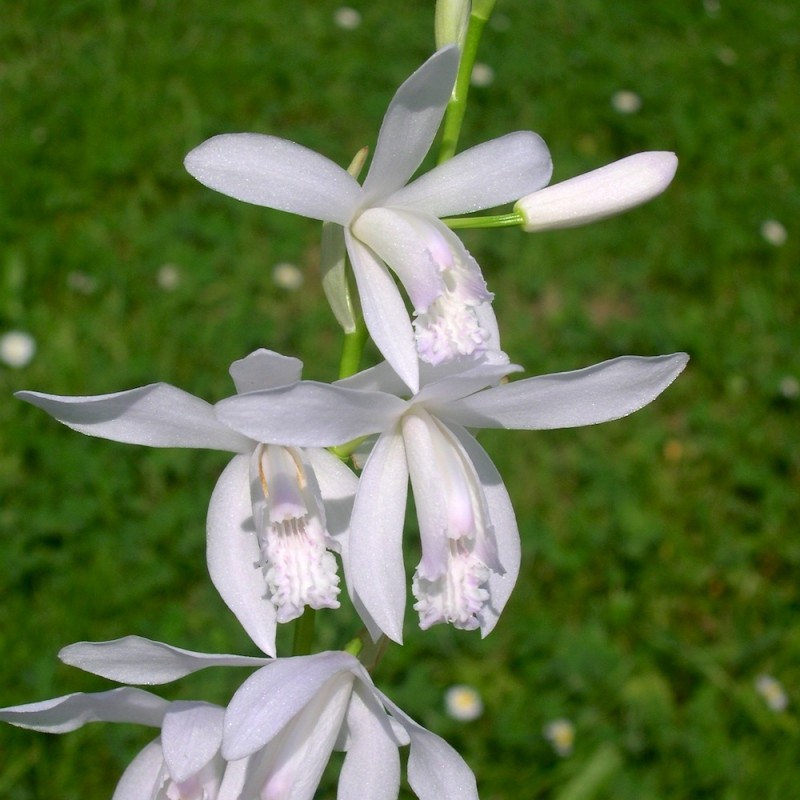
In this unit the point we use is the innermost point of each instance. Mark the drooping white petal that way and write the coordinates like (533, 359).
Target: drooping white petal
(410, 124)
(484, 176)
(158, 415)
(435, 770)
(264, 369)
(431, 482)
(133, 659)
(191, 736)
(600, 193)
(310, 414)
(384, 311)
(411, 246)
(338, 486)
(376, 535)
(605, 391)
(371, 767)
(68, 713)
(142, 775)
(233, 554)
(269, 699)
(504, 524)
(292, 763)
(276, 173)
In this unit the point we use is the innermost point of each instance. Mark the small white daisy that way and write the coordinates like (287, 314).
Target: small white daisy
(17, 349)
(561, 735)
(463, 703)
(287, 276)
(346, 18)
(771, 689)
(626, 102)
(773, 232)
(482, 75)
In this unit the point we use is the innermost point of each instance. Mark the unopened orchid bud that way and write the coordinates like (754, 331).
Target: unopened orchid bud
(600, 193)
(451, 22)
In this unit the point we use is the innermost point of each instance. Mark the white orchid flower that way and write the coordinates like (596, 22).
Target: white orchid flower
(391, 222)
(470, 543)
(183, 762)
(274, 739)
(600, 193)
(270, 530)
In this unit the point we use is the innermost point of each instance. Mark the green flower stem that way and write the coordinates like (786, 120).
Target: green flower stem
(456, 108)
(304, 633)
(352, 350)
(494, 221)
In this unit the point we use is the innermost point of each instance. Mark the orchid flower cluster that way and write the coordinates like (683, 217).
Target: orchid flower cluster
(313, 500)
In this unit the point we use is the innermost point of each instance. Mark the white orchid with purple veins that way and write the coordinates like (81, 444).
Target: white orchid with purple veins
(270, 533)
(470, 543)
(273, 740)
(389, 222)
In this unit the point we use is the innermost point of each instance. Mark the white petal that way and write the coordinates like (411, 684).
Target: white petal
(291, 765)
(504, 522)
(453, 381)
(605, 391)
(275, 173)
(234, 556)
(600, 193)
(487, 175)
(410, 124)
(338, 486)
(335, 283)
(190, 737)
(411, 245)
(265, 369)
(310, 414)
(233, 780)
(139, 781)
(380, 378)
(68, 713)
(384, 311)
(133, 659)
(435, 770)
(267, 701)
(158, 415)
(376, 535)
(371, 768)
(430, 490)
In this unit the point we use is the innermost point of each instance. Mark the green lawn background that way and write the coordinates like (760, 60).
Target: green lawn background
(660, 552)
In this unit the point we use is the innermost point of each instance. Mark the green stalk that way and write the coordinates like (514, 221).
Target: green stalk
(512, 219)
(352, 350)
(304, 633)
(456, 108)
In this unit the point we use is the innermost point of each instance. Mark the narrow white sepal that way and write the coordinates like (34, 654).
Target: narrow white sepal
(600, 393)
(73, 711)
(157, 415)
(133, 659)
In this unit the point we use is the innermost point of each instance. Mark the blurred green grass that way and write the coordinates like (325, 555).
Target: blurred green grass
(660, 552)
